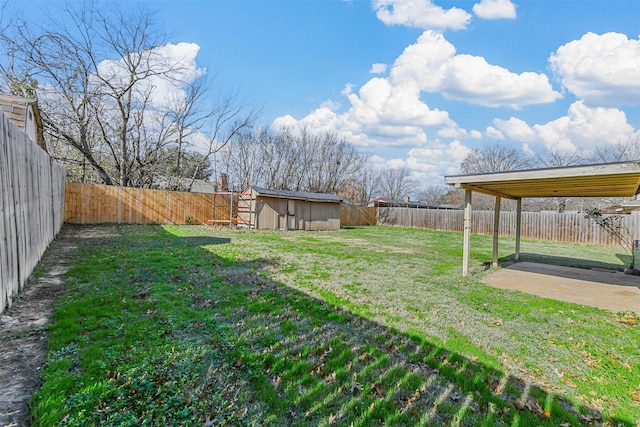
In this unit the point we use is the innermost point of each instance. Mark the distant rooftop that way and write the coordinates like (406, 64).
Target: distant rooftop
(16, 108)
(298, 195)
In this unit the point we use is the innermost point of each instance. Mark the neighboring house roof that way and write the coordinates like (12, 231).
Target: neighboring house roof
(197, 185)
(400, 203)
(17, 109)
(297, 195)
(631, 206)
(615, 209)
(202, 186)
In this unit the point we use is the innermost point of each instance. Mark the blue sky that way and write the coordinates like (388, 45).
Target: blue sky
(419, 83)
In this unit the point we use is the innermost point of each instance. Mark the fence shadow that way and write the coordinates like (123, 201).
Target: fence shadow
(320, 363)
(571, 262)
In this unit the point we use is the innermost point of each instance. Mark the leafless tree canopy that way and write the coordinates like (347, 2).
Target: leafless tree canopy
(95, 81)
(396, 183)
(623, 151)
(555, 159)
(495, 158)
(434, 194)
(296, 161)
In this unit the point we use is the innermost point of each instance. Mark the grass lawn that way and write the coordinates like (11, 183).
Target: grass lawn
(187, 325)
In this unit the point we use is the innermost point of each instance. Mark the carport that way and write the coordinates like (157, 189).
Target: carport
(598, 180)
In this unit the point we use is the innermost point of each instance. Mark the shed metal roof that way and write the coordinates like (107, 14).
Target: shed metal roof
(598, 180)
(298, 195)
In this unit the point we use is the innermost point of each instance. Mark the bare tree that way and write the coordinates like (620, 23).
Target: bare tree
(97, 89)
(332, 161)
(555, 159)
(282, 162)
(622, 151)
(396, 183)
(361, 190)
(298, 161)
(495, 158)
(615, 227)
(435, 194)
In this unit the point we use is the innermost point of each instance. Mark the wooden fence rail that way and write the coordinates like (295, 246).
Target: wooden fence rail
(92, 204)
(351, 215)
(98, 204)
(565, 227)
(31, 205)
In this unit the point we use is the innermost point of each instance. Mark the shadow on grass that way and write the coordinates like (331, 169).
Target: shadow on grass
(198, 335)
(568, 261)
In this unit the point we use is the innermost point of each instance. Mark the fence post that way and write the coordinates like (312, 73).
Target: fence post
(466, 248)
(496, 227)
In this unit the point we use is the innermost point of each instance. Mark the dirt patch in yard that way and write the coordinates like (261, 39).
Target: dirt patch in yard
(24, 325)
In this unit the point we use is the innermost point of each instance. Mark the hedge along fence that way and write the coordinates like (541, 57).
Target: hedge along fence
(564, 227)
(32, 190)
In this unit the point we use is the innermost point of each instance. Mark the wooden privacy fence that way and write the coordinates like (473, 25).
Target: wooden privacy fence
(98, 204)
(351, 215)
(95, 204)
(31, 204)
(564, 227)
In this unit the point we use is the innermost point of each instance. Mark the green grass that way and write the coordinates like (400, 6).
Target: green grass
(366, 326)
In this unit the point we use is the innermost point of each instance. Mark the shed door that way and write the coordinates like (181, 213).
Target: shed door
(291, 215)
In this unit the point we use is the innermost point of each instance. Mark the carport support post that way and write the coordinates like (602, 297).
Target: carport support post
(518, 227)
(466, 245)
(496, 227)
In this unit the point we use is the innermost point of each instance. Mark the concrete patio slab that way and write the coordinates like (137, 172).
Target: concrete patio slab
(606, 289)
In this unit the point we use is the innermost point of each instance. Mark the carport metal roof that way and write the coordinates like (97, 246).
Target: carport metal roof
(598, 180)
(601, 180)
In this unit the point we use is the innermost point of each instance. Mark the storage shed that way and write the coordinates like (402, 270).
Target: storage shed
(262, 208)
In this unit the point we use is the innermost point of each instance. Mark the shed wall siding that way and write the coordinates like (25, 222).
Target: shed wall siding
(324, 216)
(289, 214)
(270, 213)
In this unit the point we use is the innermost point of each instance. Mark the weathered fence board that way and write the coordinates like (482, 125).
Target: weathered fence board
(32, 205)
(351, 215)
(565, 227)
(92, 204)
(98, 204)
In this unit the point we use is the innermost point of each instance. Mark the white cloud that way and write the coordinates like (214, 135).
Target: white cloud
(422, 61)
(601, 69)
(475, 134)
(432, 163)
(494, 133)
(178, 59)
(378, 68)
(330, 105)
(583, 128)
(395, 163)
(390, 111)
(527, 150)
(513, 128)
(495, 9)
(376, 160)
(472, 79)
(432, 62)
(420, 14)
(286, 121)
(347, 89)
